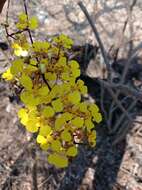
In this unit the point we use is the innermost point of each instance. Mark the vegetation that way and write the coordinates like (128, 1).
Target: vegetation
(52, 93)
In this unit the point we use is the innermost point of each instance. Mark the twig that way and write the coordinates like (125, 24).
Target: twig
(2, 2)
(92, 24)
(121, 39)
(26, 12)
(122, 117)
(45, 181)
(133, 4)
(130, 51)
(31, 39)
(18, 32)
(102, 104)
(122, 101)
(7, 24)
(110, 116)
(135, 51)
(124, 89)
(119, 104)
(129, 60)
(7, 11)
(122, 132)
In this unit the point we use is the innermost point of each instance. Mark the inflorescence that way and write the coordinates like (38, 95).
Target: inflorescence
(52, 95)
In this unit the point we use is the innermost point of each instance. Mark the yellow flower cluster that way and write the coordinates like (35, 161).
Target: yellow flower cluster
(24, 22)
(53, 97)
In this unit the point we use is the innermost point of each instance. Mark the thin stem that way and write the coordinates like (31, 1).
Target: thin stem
(31, 39)
(92, 24)
(26, 12)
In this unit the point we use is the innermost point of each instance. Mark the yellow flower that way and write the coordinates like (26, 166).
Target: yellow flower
(72, 151)
(77, 122)
(7, 75)
(25, 22)
(92, 138)
(48, 112)
(23, 115)
(74, 97)
(17, 66)
(57, 105)
(45, 130)
(26, 82)
(33, 23)
(58, 160)
(64, 40)
(66, 136)
(19, 51)
(40, 46)
(41, 139)
(56, 145)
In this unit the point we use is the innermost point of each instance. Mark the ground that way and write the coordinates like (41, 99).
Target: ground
(106, 167)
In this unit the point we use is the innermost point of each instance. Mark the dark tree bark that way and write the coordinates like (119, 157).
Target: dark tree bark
(2, 4)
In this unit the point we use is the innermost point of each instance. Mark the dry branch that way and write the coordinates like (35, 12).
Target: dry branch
(124, 89)
(92, 24)
(2, 2)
